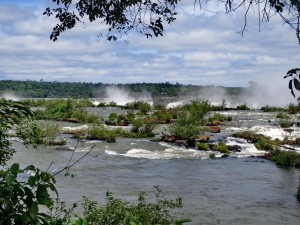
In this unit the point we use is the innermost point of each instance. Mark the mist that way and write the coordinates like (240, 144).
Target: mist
(255, 96)
(9, 95)
(121, 96)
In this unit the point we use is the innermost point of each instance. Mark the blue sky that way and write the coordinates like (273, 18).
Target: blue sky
(200, 48)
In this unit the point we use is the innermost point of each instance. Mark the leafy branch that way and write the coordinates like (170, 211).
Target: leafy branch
(294, 75)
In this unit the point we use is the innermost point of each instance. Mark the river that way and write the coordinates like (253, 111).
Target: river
(234, 190)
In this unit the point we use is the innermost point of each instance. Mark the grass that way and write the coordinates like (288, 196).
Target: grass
(285, 158)
(282, 115)
(219, 117)
(221, 147)
(263, 143)
(202, 146)
(99, 132)
(212, 155)
(284, 123)
(268, 108)
(242, 107)
(260, 141)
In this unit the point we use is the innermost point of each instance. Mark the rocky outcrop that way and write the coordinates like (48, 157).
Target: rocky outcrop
(202, 138)
(214, 129)
(215, 123)
(234, 148)
(73, 120)
(182, 143)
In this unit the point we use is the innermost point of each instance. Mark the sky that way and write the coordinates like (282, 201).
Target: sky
(200, 48)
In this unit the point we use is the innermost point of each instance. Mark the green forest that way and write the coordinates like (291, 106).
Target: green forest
(45, 89)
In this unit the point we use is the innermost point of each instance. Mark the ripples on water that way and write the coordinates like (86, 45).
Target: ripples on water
(221, 191)
(236, 190)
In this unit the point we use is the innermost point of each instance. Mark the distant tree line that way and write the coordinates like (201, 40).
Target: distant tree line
(44, 89)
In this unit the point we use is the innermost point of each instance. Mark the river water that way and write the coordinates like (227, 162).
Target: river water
(234, 190)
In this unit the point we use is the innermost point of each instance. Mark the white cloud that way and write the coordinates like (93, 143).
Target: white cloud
(199, 48)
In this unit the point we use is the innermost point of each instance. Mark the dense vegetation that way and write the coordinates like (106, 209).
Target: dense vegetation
(42, 89)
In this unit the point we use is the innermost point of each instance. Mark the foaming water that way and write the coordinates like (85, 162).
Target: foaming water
(171, 151)
(168, 153)
(277, 132)
(236, 190)
(221, 191)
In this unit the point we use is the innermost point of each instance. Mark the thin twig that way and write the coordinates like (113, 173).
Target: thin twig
(68, 166)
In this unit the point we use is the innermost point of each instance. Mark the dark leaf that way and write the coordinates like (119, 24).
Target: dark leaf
(14, 169)
(297, 84)
(291, 87)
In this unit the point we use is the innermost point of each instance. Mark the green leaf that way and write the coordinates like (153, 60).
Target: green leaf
(31, 181)
(14, 169)
(33, 210)
(10, 179)
(25, 219)
(79, 222)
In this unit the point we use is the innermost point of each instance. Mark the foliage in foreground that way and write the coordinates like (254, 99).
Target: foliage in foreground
(119, 212)
(21, 198)
(24, 192)
(11, 114)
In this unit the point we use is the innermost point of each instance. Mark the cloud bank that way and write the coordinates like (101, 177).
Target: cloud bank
(200, 48)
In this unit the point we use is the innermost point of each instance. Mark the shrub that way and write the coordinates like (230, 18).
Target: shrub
(248, 135)
(221, 147)
(268, 108)
(202, 146)
(285, 158)
(242, 107)
(99, 132)
(113, 116)
(118, 212)
(282, 115)
(162, 116)
(222, 106)
(101, 104)
(219, 117)
(144, 107)
(212, 155)
(112, 104)
(143, 126)
(186, 132)
(262, 143)
(284, 123)
(197, 110)
(49, 131)
(83, 116)
(292, 108)
(187, 126)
